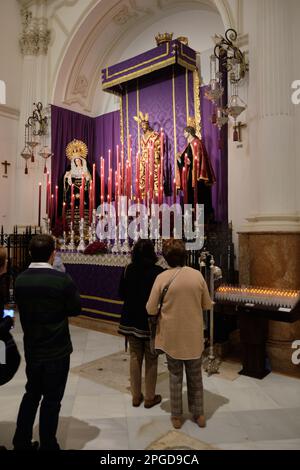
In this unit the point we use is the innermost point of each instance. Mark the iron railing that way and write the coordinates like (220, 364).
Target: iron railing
(17, 244)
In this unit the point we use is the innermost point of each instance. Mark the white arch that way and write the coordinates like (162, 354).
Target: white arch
(224, 9)
(107, 29)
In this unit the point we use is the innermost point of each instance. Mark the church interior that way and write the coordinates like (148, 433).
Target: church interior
(111, 108)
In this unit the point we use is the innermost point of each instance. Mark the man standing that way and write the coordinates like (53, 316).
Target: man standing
(45, 298)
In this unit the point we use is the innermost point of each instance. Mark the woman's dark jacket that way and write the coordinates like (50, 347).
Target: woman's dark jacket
(135, 287)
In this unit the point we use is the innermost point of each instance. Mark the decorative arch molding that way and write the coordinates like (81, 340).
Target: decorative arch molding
(229, 20)
(104, 31)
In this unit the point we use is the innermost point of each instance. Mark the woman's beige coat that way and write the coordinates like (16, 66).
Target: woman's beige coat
(180, 327)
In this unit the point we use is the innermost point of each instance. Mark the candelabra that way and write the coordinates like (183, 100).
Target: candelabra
(109, 245)
(36, 130)
(81, 246)
(233, 62)
(94, 238)
(116, 248)
(90, 235)
(71, 245)
(64, 245)
(125, 247)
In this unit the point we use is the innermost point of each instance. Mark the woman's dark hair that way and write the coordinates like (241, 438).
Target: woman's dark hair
(174, 252)
(41, 247)
(143, 253)
(190, 130)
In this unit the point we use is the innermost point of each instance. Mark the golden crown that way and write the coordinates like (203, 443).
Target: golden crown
(76, 149)
(162, 38)
(191, 122)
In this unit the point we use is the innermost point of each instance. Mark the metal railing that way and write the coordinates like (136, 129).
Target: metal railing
(218, 243)
(17, 244)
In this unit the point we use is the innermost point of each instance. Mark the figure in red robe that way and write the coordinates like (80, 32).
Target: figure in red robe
(205, 176)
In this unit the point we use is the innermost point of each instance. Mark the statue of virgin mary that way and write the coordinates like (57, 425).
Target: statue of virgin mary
(76, 152)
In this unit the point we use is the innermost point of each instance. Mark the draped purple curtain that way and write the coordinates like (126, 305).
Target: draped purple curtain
(215, 143)
(65, 126)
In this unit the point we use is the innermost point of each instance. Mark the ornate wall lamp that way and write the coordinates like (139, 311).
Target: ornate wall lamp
(230, 59)
(36, 131)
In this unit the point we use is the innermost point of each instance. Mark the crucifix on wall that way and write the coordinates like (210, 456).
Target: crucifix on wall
(237, 135)
(6, 164)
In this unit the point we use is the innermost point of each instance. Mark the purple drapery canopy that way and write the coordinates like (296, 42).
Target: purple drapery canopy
(218, 155)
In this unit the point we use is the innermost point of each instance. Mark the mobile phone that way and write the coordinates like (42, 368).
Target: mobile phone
(8, 313)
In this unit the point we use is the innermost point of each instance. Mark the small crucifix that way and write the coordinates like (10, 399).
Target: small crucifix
(237, 134)
(6, 164)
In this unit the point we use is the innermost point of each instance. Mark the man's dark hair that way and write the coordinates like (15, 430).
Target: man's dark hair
(174, 252)
(143, 253)
(41, 247)
(190, 130)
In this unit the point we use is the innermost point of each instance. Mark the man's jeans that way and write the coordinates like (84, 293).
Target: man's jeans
(47, 380)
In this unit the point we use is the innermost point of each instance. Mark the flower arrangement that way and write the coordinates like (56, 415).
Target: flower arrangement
(96, 248)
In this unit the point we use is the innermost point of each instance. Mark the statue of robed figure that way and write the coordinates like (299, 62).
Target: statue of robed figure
(205, 177)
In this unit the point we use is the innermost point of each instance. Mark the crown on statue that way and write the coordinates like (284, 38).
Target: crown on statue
(141, 117)
(76, 149)
(162, 38)
(191, 122)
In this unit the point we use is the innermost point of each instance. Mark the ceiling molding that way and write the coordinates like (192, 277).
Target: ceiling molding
(225, 11)
(8, 112)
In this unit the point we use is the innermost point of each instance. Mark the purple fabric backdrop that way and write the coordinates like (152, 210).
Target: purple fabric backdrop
(156, 97)
(211, 137)
(100, 134)
(65, 126)
(107, 137)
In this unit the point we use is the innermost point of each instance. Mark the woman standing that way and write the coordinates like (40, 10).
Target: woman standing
(180, 328)
(135, 288)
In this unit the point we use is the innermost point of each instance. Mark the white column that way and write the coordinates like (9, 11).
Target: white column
(271, 113)
(34, 44)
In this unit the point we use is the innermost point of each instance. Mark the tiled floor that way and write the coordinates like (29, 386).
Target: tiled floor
(242, 414)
